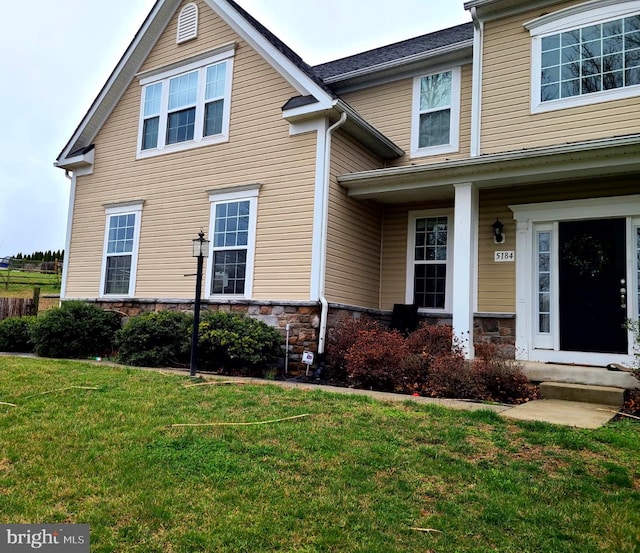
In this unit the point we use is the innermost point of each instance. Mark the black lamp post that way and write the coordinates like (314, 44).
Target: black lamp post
(200, 250)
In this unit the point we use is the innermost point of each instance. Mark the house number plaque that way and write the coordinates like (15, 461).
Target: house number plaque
(504, 257)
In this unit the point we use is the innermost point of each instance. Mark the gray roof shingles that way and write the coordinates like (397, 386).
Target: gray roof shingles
(397, 51)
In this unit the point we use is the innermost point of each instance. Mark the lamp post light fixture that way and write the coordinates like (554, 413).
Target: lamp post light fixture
(200, 250)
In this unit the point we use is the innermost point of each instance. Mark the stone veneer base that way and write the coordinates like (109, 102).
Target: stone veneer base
(303, 319)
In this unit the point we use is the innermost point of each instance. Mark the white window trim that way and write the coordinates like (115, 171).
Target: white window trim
(242, 193)
(454, 136)
(411, 243)
(589, 13)
(198, 140)
(122, 209)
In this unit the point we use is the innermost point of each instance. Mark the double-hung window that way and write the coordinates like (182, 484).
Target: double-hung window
(583, 56)
(186, 107)
(233, 231)
(436, 113)
(120, 254)
(429, 257)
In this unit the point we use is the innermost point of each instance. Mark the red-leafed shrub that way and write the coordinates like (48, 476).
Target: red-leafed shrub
(377, 360)
(430, 362)
(501, 376)
(632, 402)
(449, 376)
(339, 341)
(432, 340)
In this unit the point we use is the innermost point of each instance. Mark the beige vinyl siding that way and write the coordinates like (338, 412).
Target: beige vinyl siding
(354, 233)
(175, 186)
(388, 108)
(496, 281)
(507, 122)
(394, 256)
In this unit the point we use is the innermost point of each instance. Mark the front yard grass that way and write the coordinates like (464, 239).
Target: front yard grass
(356, 475)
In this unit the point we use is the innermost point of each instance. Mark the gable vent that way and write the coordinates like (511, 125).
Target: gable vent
(188, 23)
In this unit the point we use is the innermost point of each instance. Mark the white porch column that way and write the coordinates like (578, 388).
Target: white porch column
(465, 223)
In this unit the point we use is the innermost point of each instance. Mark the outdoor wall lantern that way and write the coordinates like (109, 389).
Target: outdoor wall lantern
(498, 235)
(200, 251)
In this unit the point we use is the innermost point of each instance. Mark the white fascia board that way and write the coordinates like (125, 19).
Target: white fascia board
(489, 10)
(310, 111)
(81, 164)
(489, 159)
(304, 84)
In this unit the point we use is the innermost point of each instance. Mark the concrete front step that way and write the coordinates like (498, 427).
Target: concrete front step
(576, 374)
(605, 395)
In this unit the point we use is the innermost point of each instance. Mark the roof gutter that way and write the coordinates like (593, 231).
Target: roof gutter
(611, 150)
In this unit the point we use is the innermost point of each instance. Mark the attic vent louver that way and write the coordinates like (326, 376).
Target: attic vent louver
(187, 23)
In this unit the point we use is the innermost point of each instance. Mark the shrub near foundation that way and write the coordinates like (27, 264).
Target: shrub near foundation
(429, 362)
(15, 334)
(160, 339)
(75, 330)
(234, 343)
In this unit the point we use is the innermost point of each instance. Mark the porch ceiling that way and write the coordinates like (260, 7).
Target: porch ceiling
(600, 158)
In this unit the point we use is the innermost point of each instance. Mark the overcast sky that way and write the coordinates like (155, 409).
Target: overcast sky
(53, 68)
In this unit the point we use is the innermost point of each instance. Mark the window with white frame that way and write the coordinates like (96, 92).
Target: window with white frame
(233, 231)
(587, 55)
(429, 258)
(186, 107)
(436, 113)
(120, 254)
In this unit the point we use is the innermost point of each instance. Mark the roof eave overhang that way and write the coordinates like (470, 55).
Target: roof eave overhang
(610, 157)
(141, 46)
(459, 53)
(120, 78)
(355, 126)
(77, 162)
(488, 10)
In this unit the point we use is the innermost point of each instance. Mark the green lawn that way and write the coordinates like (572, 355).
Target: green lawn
(354, 476)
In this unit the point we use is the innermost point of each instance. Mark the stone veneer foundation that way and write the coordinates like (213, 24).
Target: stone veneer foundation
(303, 319)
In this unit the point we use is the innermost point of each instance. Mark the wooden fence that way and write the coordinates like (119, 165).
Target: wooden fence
(17, 307)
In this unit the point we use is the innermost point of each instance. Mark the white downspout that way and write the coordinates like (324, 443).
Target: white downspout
(67, 242)
(322, 335)
(476, 95)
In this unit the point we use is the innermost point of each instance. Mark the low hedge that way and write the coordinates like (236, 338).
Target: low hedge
(75, 330)
(15, 334)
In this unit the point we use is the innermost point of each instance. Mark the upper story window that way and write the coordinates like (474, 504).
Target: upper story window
(436, 113)
(186, 107)
(583, 56)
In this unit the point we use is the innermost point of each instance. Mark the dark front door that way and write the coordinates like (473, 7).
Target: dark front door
(592, 270)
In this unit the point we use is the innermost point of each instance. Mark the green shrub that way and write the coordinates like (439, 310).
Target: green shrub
(15, 334)
(236, 344)
(75, 330)
(161, 339)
